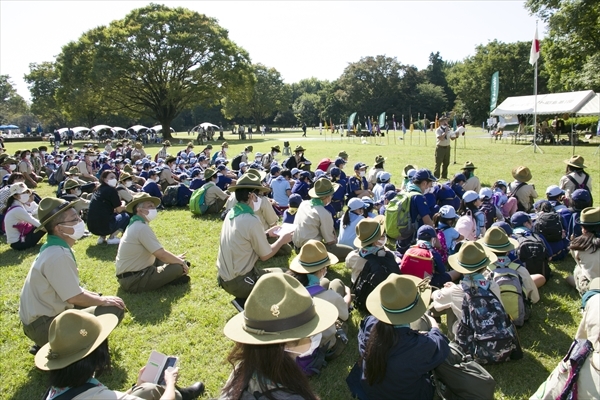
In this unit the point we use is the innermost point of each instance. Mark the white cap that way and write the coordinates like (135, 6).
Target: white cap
(410, 173)
(384, 176)
(485, 193)
(469, 196)
(447, 212)
(554, 190)
(295, 171)
(355, 204)
(319, 173)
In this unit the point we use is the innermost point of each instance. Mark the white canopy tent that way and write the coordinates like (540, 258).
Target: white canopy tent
(592, 107)
(138, 128)
(99, 128)
(158, 128)
(547, 104)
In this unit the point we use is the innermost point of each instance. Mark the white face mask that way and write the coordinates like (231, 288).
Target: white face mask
(361, 174)
(151, 214)
(256, 205)
(128, 183)
(381, 242)
(157, 179)
(428, 190)
(24, 198)
(12, 167)
(78, 193)
(35, 154)
(78, 231)
(28, 157)
(112, 182)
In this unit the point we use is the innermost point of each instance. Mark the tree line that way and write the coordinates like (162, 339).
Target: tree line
(178, 68)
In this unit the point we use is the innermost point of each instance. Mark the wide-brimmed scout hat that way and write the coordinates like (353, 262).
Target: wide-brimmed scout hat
(589, 216)
(89, 153)
(276, 148)
(380, 159)
(249, 181)
(18, 188)
(299, 148)
(576, 161)
(496, 240)
(323, 188)
(170, 159)
(521, 174)
(260, 173)
(471, 257)
(278, 310)
(225, 144)
(443, 118)
(313, 257)
(138, 145)
(71, 184)
(50, 207)
(166, 143)
(343, 154)
(124, 176)
(209, 173)
(400, 299)
(407, 168)
(73, 335)
(369, 231)
(8, 160)
(73, 171)
(141, 197)
(469, 165)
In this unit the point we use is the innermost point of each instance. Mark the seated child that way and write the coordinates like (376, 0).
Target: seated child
(444, 221)
(289, 215)
(585, 250)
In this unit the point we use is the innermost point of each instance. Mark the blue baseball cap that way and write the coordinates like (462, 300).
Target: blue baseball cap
(360, 165)
(426, 232)
(295, 200)
(339, 161)
(275, 169)
(519, 218)
(504, 226)
(390, 194)
(423, 175)
(305, 174)
(335, 171)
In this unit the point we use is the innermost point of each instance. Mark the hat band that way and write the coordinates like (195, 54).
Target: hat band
(278, 325)
(497, 246)
(54, 211)
(402, 310)
(313, 264)
(375, 233)
(320, 194)
(473, 266)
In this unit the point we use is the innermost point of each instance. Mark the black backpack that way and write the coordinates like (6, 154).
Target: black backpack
(489, 211)
(532, 253)
(376, 270)
(549, 224)
(235, 163)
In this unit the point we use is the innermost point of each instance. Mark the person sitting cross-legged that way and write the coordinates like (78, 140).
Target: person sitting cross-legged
(142, 262)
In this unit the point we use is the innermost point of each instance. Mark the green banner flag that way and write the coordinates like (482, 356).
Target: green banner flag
(381, 120)
(495, 84)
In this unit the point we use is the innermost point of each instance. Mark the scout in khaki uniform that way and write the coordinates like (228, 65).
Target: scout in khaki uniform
(243, 239)
(125, 194)
(142, 262)
(524, 192)
(52, 284)
(214, 197)
(472, 182)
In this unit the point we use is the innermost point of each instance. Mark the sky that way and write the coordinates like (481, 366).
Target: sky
(300, 39)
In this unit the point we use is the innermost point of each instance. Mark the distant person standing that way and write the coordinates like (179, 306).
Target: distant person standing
(444, 138)
(304, 129)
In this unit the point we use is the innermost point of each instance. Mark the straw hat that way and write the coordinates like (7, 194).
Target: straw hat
(249, 181)
(313, 257)
(72, 336)
(471, 257)
(576, 161)
(469, 165)
(141, 197)
(18, 188)
(369, 231)
(278, 310)
(496, 240)
(400, 299)
(521, 174)
(589, 216)
(323, 188)
(50, 207)
(209, 173)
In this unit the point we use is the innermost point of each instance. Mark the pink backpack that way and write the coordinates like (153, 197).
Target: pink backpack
(466, 226)
(444, 250)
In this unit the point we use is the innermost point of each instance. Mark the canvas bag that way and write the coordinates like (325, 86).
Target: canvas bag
(417, 261)
(398, 222)
(515, 303)
(466, 226)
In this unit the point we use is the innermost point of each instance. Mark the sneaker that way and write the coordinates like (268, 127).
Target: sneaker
(115, 240)
(34, 349)
(101, 240)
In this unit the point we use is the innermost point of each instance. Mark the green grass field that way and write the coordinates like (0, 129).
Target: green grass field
(188, 321)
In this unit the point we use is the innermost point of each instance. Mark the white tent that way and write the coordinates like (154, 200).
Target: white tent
(118, 129)
(138, 128)
(592, 107)
(547, 104)
(78, 129)
(158, 128)
(99, 128)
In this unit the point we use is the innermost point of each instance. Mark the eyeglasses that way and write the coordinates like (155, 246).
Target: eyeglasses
(70, 221)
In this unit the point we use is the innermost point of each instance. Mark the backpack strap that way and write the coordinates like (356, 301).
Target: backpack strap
(573, 181)
(71, 393)
(315, 290)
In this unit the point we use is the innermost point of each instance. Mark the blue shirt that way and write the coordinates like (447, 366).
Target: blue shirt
(197, 183)
(451, 235)
(356, 183)
(144, 174)
(279, 187)
(223, 182)
(301, 188)
(348, 234)
(378, 192)
(418, 208)
(152, 189)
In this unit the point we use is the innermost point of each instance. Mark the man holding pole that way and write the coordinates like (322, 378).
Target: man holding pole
(444, 136)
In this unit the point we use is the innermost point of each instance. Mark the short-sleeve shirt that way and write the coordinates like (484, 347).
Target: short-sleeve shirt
(242, 242)
(472, 184)
(136, 248)
(223, 182)
(356, 183)
(313, 222)
(280, 186)
(525, 194)
(51, 281)
(213, 193)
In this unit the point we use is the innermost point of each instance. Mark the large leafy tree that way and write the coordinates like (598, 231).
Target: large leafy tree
(43, 83)
(308, 108)
(265, 95)
(157, 61)
(573, 44)
(470, 79)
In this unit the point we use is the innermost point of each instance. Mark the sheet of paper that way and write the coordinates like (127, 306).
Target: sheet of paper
(286, 228)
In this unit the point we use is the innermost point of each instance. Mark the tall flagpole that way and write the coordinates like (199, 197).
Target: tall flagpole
(535, 100)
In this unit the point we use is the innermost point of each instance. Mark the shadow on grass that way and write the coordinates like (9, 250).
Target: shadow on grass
(101, 252)
(150, 308)
(33, 386)
(10, 257)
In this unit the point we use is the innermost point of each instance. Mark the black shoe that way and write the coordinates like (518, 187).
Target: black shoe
(180, 281)
(34, 349)
(191, 392)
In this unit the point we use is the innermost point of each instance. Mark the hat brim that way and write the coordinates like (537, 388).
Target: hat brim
(568, 162)
(66, 207)
(453, 261)
(469, 167)
(583, 223)
(135, 202)
(297, 267)
(209, 175)
(594, 284)
(251, 187)
(312, 192)
(358, 243)
(374, 306)
(511, 245)
(326, 315)
(108, 323)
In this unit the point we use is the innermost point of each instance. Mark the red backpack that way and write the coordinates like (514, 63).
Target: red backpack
(417, 261)
(324, 164)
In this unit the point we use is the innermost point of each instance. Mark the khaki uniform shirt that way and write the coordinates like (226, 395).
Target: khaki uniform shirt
(24, 167)
(526, 194)
(213, 193)
(443, 136)
(472, 184)
(51, 281)
(568, 186)
(267, 216)
(242, 242)
(84, 169)
(372, 175)
(313, 223)
(137, 248)
(124, 193)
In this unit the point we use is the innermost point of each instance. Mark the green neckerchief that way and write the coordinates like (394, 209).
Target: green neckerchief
(239, 209)
(136, 218)
(53, 240)
(316, 202)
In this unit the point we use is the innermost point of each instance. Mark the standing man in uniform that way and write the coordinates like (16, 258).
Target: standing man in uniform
(444, 137)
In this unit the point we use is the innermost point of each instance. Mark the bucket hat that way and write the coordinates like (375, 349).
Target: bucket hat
(278, 310)
(249, 181)
(521, 174)
(400, 299)
(471, 257)
(50, 207)
(72, 336)
(323, 188)
(18, 188)
(576, 161)
(369, 231)
(276, 148)
(496, 240)
(141, 198)
(313, 257)
(380, 159)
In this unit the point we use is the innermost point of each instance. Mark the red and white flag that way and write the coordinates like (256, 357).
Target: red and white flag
(535, 49)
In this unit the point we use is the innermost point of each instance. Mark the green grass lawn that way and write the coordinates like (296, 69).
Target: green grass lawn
(188, 321)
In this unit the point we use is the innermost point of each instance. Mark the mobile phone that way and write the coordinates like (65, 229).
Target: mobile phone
(171, 361)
